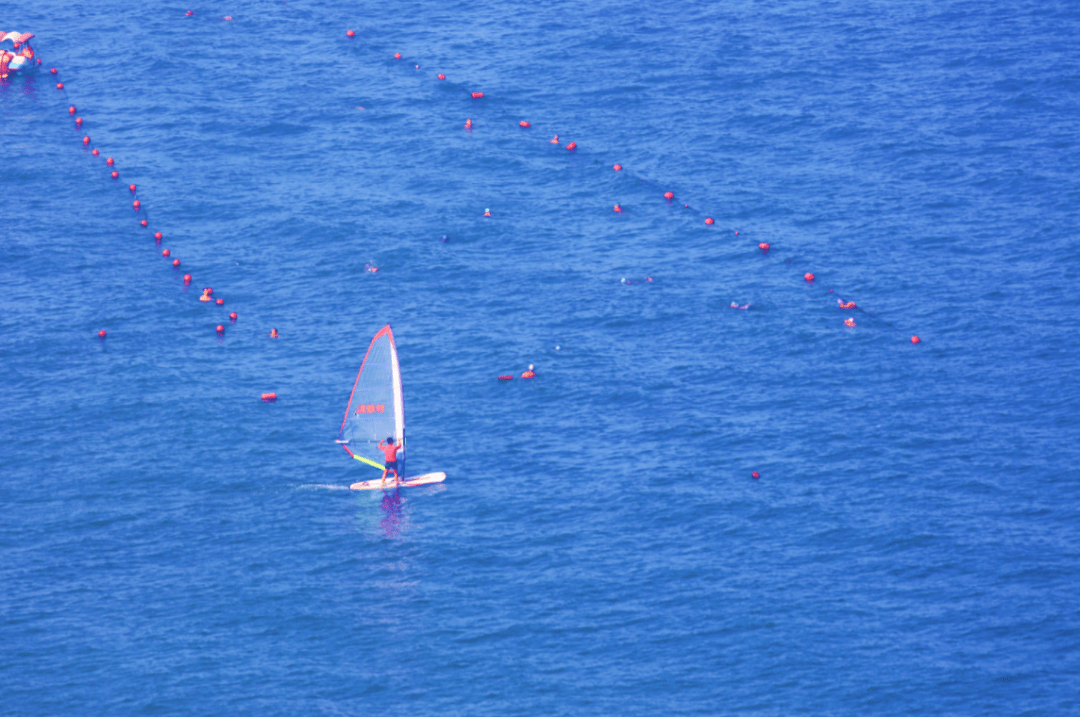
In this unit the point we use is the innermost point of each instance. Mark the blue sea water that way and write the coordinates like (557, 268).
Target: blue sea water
(170, 544)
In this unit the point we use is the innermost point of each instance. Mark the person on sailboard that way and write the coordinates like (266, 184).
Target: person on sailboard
(390, 452)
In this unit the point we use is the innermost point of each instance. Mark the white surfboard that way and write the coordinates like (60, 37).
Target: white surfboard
(389, 483)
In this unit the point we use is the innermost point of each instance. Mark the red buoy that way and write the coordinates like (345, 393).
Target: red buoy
(572, 146)
(208, 291)
(523, 123)
(763, 246)
(477, 95)
(232, 316)
(187, 278)
(809, 277)
(176, 262)
(115, 174)
(144, 222)
(109, 161)
(86, 140)
(101, 334)
(220, 329)
(221, 302)
(53, 70)
(708, 220)
(350, 33)
(506, 378)
(95, 152)
(132, 188)
(915, 339)
(268, 397)
(157, 235)
(397, 55)
(755, 475)
(136, 204)
(59, 85)
(618, 208)
(669, 196)
(442, 76)
(165, 252)
(71, 110)
(78, 121)
(618, 167)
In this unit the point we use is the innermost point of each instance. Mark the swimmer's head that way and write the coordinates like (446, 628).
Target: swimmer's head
(389, 439)
(530, 367)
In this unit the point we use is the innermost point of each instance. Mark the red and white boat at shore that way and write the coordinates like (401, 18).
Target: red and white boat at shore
(15, 52)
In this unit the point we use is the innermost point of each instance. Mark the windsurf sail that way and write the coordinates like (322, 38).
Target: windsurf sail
(376, 407)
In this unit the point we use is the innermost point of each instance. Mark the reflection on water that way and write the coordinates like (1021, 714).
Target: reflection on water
(393, 521)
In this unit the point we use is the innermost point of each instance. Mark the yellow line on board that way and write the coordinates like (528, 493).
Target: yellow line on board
(380, 466)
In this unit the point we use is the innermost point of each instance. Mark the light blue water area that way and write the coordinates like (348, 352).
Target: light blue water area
(170, 544)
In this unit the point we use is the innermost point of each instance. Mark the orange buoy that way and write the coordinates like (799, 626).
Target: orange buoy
(71, 110)
(144, 223)
(157, 235)
(221, 302)
(618, 167)
(220, 329)
(94, 152)
(136, 204)
(708, 220)
(204, 298)
(187, 278)
(468, 124)
(915, 339)
(232, 316)
(669, 196)
(523, 123)
(176, 262)
(849, 322)
(109, 161)
(273, 333)
(618, 208)
(755, 475)
(165, 252)
(59, 85)
(397, 55)
(78, 121)
(350, 33)
(736, 233)
(132, 188)
(556, 140)
(809, 277)
(572, 146)
(269, 397)
(86, 140)
(101, 334)
(764, 246)
(442, 76)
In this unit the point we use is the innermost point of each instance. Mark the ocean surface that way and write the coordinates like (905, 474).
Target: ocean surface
(170, 544)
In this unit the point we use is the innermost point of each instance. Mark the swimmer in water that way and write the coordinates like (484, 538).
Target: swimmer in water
(390, 453)
(848, 305)
(735, 305)
(530, 373)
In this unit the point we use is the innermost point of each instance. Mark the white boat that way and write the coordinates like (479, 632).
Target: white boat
(15, 52)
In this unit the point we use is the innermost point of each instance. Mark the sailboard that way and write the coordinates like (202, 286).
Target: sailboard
(376, 411)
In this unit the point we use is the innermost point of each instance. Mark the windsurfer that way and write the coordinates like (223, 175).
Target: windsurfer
(390, 452)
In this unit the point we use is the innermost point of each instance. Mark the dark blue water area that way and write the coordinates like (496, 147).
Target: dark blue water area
(170, 544)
